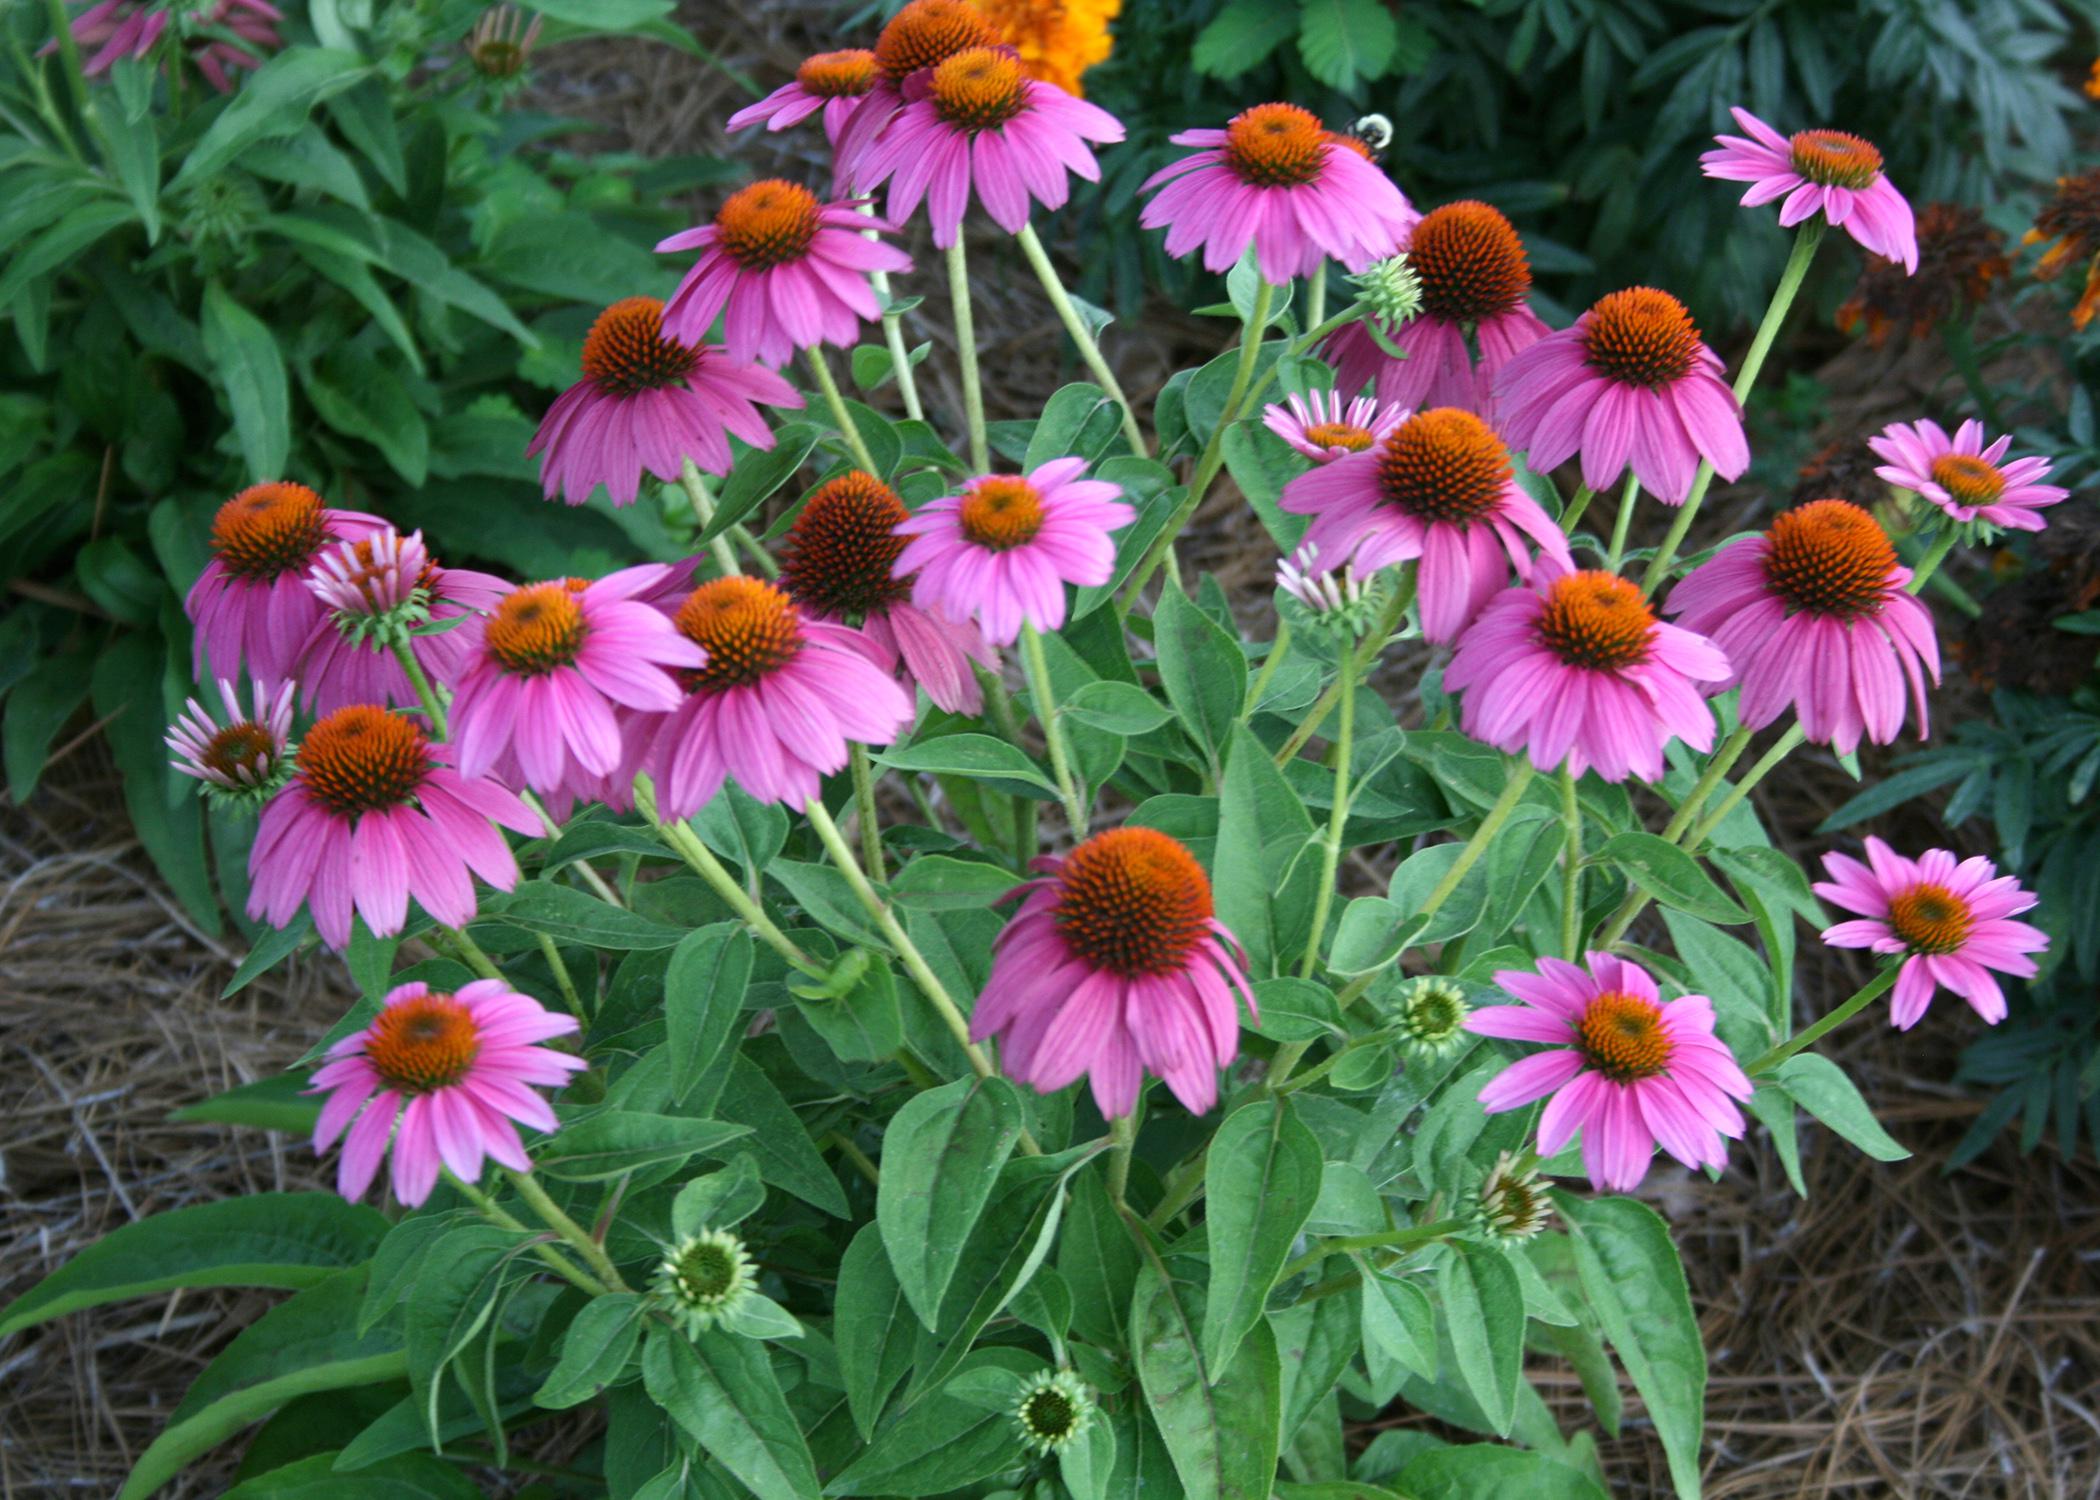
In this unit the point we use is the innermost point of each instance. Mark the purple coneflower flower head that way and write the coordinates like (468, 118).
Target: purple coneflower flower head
(1440, 487)
(1323, 427)
(1473, 275)
(792, 273)
(1628, 1069)
(243, 760)
(454, 1071)
(372, 817)
(976, 122)
(1968, 480)
(1819, 171)
(649, 401)
(923, 35)
(1335, 593)
(112, 30)
(778, 705)
(1576, 669)
(1116, 966)
(547, 667)
(1813, 616)
(1002, 551)
(378, 591)
(839, 563)
(1950, 920)
(1279, 181)
(251, 603)
(1629, 382)
(834, 82)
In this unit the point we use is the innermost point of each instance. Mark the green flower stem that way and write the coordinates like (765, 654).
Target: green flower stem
(1325, 1065)
(1805, 241)
(1123, 1133)
(1346, 671)
(1784, 746)
(426, 693)
(694, 484)
(1718, 765)
(1001, 704)
(1316, 294)
(1089, 350)
(856, 1156)
(864, 810)
(1077, 813)
(1213, 456)
(849, 430)
(561, 977)
(470, 953)
(560, 1264)
(688, 846)
(1395, 612)
(598, 884)
(893, 335)
(1570, 870)
(966, 352)
(1941, 546)
(1301, 344)
(571, 1232)
(1873, 990)
(1576, 506)
(915, 963)
(1484, 835)
(760, 557)
(1627, 500)
(1391, 1239)
(1278, 649)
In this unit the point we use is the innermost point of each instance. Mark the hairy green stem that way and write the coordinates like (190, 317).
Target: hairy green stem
(1037, 664)
(572, 1233)
(1395, 612)
(1576, 506)
(966, 352)
(1930, 564)
(597, 883)
(470, 953)
(1620, 522)
(560, 1264)
(694, 484)
(1390, 1239)
(1873, 990)
(893, 335)
(1484, 835)
(1346, 670)
(561, 977)
(688, 845)
(1278, 649)
(1082, 338)
(1570, 869)
(849, 430)
(426, 691)
(864, 810)
(1123, 1132)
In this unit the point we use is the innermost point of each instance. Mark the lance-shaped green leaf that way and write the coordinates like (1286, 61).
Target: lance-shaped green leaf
(1484, 1306)
(1202, 668)
(940, 1160)
(722, 1391)
(1261, 1181)
(704, 1000)
(1820, 1086)
(594, 1351)
(1221, 1431)
(1671, 876)
(873, 1327)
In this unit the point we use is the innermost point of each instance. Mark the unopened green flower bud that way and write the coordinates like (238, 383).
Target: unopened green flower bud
(1512, 1206)
(1432, 1017)
(704, 1279)
(1392, 290)
(1053, 1410)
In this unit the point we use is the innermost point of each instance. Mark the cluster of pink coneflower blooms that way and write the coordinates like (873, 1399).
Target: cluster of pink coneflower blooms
(453, 705)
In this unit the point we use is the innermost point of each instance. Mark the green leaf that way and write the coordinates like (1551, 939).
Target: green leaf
(1775, 1107)
(569, 915)
(1261, 894)
(704, 1002)
(934, 882)
(1346, 43)
(722, 1391)
(1220, 1432)
(1202, 669)
(251, 371)
(718, 1200)
(942, 1443)
(873, 1326)
(978, 756)
(1260, 1181)
(940, 1160)
(1372, 933)
(595, 1350)
(274, 101)
(1240, 36)
(1820, 1086)
(288, 1240)
(787, 1158)
(135, 687)
(1296, 1010)
(277, 1103)
(757, 474)
(1671, 876)
(617, 1142)
(361, 398)
(1484, 1306)
(405, 1476)
(1635, 1284)
(1399, 1322)
(132, 148)
(1116, 708)
(1485, 1471)
(62, 245)
(449, 1301)
(36, 710)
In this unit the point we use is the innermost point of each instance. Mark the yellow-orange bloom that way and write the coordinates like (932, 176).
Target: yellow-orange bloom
(2092, 81)
(1058, 40)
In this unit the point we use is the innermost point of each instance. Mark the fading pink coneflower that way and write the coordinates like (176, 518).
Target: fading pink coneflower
(1576, 669)
(1968, 480)
(976, 121)
(1628, 1069)
(1950, 920)
(1002, 551)
(379, 591)
(251, 604)
(454, 1071)
(834, 82)
(1630, 382)
(1439, 487)
(792, 273)
(247, 757)
(1323, 427)
(1115, 966)
(649, 401)
(920, 37)
(1819, 171)
(374, 816)
(112, 30)
(1813, 616)
(777, 706)
(1277, 180)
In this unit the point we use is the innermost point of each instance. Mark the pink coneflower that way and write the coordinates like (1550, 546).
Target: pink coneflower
(648, 401)
(1951, 920)
(1331, 593)
(548, 665)
(1819, 171)
(113, 30)
(249, 755)
(455, 1070)
(1576, 668)
(923, 35)
(1474, 275)
(1629, 382)
(380, 590)
(834, 82)
(1440, 487)
(251, 602)
(792, 272)
(1323, 428)
(1276, 179)
(1116, 966)
(1003, 550)
(372, 817)
(776, 705)
(839, 562)
(977, 121)
(1813, 616)
(1629, 1070)
(1967, 480)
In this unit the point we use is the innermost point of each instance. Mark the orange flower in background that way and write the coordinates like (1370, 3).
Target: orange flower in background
(2071, 220)
(1959, 256)
(2092, 81)
(1058, 39)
